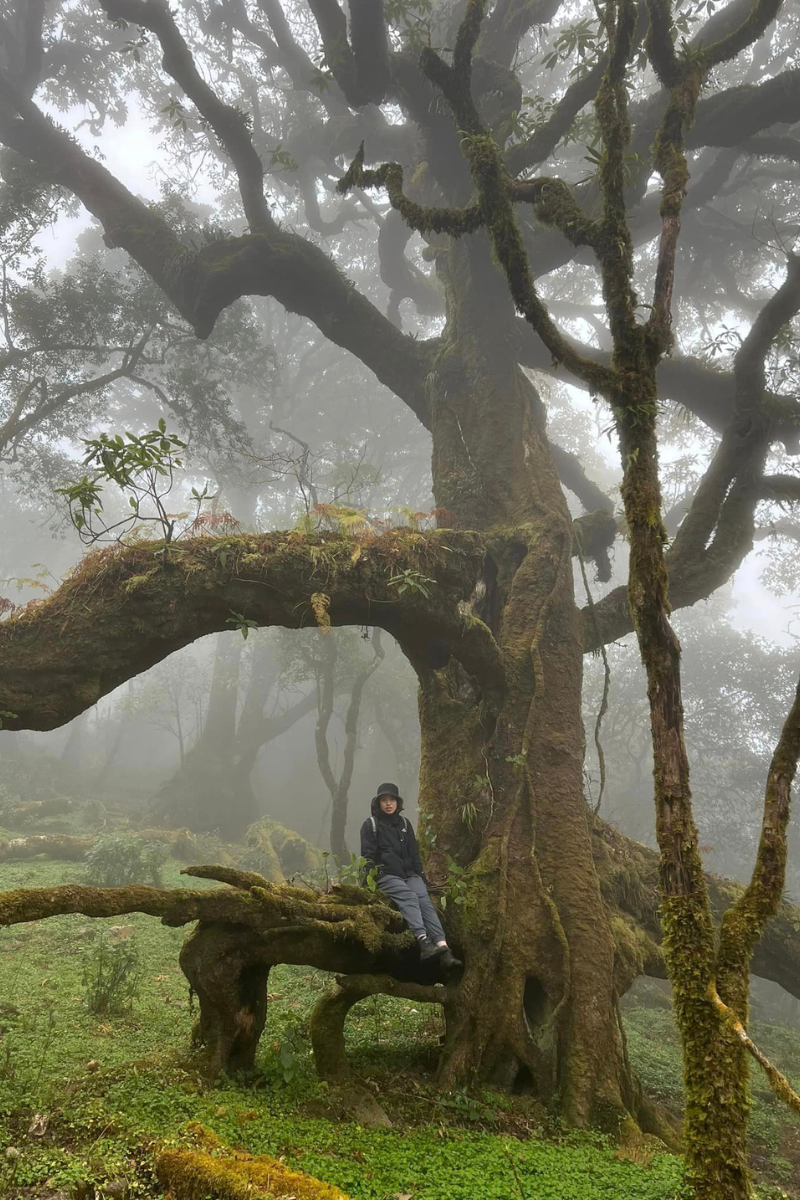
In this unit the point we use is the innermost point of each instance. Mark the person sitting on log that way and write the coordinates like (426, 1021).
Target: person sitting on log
(389, 845)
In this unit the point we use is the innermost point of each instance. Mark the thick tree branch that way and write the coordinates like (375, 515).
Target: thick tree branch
(228, 123)
(572, 474)
(706, 392)
(370, 42)
(762, 14)
(725, 500)
(628, 873)
(339, 55)
(201, 283)
(544, 140)
(126, 609)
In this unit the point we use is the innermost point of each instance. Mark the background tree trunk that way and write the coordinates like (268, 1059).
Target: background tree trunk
(206, 792)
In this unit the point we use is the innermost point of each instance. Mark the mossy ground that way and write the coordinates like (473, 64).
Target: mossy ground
(104, 1123)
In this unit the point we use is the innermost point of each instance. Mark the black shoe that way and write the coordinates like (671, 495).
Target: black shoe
(427, 950)
(448, 959)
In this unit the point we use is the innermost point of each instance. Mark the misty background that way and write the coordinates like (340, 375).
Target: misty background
(284, 429)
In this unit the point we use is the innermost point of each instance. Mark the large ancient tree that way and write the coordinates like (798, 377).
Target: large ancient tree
(488, 618)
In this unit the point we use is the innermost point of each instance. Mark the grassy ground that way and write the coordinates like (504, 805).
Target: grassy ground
(84, 1099)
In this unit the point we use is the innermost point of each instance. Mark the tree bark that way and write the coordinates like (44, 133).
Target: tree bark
(501, 778)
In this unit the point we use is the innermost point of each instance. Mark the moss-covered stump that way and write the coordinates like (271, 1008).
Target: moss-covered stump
(281, 852)
(212, 1172)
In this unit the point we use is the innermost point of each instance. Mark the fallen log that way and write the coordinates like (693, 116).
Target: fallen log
(629, 881)
(54, 845)
(283, 851)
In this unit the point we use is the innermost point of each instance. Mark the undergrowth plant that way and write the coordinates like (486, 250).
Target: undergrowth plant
(111, 974)
(120, 859)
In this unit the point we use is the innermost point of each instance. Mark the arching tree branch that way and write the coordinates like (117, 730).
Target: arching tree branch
(125, 609)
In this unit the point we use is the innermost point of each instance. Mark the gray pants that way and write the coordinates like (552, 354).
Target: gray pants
(416, 907)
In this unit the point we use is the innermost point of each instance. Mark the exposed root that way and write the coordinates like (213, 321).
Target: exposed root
(330, 1013)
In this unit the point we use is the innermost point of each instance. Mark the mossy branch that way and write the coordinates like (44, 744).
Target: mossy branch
(778, 1082)
(615, 251)
(426, 220)
(94, 633)
(752, 28)
(554, 204)
(660, 46)
(743, 923)
(263, 907)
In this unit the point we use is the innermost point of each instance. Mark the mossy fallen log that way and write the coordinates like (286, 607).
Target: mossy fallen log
(629, 880)
(212, 1172)
(53, 845)
(33, 810)
(243, 930)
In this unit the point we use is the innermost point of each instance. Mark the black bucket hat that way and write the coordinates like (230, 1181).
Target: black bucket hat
(387, 789)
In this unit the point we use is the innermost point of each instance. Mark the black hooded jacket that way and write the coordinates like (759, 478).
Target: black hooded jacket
(390, 843)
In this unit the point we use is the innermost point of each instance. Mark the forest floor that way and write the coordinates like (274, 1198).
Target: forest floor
(85, 1099)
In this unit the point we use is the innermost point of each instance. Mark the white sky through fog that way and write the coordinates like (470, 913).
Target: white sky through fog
(132, 153)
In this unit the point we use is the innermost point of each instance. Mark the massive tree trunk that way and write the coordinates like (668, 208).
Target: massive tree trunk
(501, 779)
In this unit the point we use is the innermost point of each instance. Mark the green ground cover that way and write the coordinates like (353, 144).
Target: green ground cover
(85, 1098)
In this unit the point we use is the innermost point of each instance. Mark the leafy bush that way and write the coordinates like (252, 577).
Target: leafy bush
(122, 858)
(111, 974)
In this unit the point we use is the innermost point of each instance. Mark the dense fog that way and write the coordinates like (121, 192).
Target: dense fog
(362, 382)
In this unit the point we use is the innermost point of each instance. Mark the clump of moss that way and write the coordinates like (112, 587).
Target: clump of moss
(210, 1170)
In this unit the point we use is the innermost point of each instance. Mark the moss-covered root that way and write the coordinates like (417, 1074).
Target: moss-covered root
(227, 970)
(206, 1173)
(327, 1036)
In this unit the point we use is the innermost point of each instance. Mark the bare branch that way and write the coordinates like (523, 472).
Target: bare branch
(543, 142)
(229, 123)
(201, 283)
(17, 425)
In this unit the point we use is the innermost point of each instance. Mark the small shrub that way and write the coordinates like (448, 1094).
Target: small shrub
(288, 1052)
(111, 975)
(122, 858)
